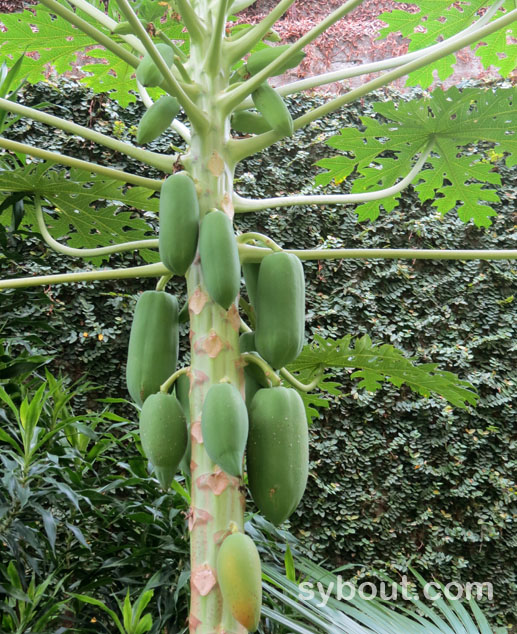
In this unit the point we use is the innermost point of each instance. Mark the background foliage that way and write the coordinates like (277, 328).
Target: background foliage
(393, 476)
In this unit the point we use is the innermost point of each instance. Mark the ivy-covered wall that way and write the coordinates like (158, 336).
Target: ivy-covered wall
(394, 478)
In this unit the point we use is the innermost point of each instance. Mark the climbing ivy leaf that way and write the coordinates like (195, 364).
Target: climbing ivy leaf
(452, 120)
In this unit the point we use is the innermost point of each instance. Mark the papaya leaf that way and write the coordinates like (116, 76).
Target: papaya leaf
(452, 120)
(437, 20)
(81, 217)
(376, 364)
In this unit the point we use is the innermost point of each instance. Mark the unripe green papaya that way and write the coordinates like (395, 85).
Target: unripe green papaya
(182, 389)
(179, 222)
(163, 434)
(249, 122)
(157, 119)
(280, 309)
(153, 344)
(260, 59)
(147, 72)
(251, 380)
(277, 452)
(224, 425)
(271, 105)
(239, 576)
(250, 270)
(219, 258)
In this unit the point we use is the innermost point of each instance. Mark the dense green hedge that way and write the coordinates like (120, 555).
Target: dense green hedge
(394, 477)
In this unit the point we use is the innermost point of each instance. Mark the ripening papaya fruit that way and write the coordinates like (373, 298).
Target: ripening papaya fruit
(260, 59)
(277, 454)
(153, 344)
(219, 258)
(249, 122)
(239, 577)
(147, 72)
(157, 119)
(280, 309)
(272, 107)
(224, 425)
(182, 389)
(163, 434)
(179, 222)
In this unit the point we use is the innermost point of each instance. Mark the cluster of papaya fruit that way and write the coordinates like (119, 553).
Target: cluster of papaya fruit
(272, 114)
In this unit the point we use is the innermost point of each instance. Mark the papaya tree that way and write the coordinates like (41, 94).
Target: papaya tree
(242, 399)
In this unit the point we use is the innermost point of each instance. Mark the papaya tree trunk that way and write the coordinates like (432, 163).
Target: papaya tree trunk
(217, 501)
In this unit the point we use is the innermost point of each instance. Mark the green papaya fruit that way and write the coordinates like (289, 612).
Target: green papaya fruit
(260, 59)
(249, 122)
(182, 389)
(239, 576)
(250, 270)
(219, 258)
(272, 107)
(147, 72)
(277, 452)
(157, 119)
(179, 222)
(280, 309)
(224, 425)
(163, 434)
(153, 344)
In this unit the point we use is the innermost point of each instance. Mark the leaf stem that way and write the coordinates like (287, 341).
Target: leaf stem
(196, 31)
(255, 254)
(242, 205)
(234, 97)
(55, 157)
(243, 148)
(93, 32)
(215, 47)
(159, 161)
(263, 365)
(252, 235)
(166, 385)
(171, 83)
(303, 387)
(148, 270)
(162, 282)
(244, 44)
(86, 253)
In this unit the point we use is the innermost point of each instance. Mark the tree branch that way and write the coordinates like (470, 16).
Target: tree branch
(55, 157)
(245, 147)
(160, 161)
(243, 205)
(85, 253)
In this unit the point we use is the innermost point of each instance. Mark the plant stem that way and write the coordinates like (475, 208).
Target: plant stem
(244, 44)
(148, 270)
(166, 386)
(192, 21)
(242, 149)
(243, 205)
(86, 253)
(303, 387)
(263, 365)
(90, 30)
(233, 98)
(55, 157)
(255, 254)
(160, 161)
